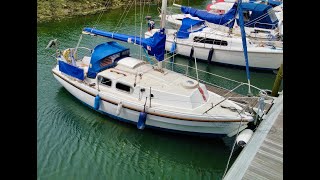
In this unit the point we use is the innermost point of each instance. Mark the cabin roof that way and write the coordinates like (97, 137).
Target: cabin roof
(144, 75)
(130, 62)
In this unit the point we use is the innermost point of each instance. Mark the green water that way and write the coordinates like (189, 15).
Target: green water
(75, 142)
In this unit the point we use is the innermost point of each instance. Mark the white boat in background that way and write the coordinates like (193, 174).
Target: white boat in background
(262, 23)
(222, 48)
(112, 82)
(213, 45)
(277, 10)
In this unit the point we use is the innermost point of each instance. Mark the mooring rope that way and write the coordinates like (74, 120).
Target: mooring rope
(234, 144)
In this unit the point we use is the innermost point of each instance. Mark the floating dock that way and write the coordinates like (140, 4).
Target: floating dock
(262, 157)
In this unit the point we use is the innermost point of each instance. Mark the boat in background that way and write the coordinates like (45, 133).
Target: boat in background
(262, 23)
(193, 37)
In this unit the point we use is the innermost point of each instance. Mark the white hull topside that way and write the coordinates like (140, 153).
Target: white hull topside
(157, 116)
(254, 33)
(259, 57)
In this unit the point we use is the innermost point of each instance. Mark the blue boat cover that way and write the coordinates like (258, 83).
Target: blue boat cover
(262, 16)
(71, 70)
(99, 53)
(226, 19)
(187, 23)
(155, 45)
(272, 3)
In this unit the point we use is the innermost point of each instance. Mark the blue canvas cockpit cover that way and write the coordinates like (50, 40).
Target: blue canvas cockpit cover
(262, 16)
(188, 23)
(226, 19)
(99, 53)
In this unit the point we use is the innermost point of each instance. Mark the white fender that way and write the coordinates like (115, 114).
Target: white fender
(244, 137)
(119, 108)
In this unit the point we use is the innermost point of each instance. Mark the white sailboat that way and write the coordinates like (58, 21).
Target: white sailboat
(257, 28)
(131, 90)
(218, 46)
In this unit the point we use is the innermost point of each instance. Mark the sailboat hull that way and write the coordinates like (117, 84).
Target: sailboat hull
(260, 57)
(259, 60)
(108, 106)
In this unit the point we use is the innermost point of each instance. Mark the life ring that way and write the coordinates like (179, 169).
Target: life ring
(189, 84)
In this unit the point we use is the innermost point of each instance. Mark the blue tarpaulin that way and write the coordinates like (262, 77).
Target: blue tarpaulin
(188, 23)
(99, 53)
(212, 18)
(261, 16)
(155, 45)
(272, 3)
(71, 70)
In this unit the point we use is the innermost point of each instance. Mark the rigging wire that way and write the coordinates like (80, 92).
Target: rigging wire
(107, 3)
(123, 16)
(234, 143)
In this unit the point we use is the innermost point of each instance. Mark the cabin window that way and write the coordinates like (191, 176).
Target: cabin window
(272, 15)
(261, 31)
(105, 61)
(106, 81)
(210, 41)
(123, 87)
(108, 60)
(246, 16)
(125, 53)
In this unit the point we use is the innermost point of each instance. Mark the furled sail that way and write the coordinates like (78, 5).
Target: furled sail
(226, 19)
(155, 45)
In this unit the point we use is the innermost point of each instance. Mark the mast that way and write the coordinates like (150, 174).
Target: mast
(244, 43)
(163, 23)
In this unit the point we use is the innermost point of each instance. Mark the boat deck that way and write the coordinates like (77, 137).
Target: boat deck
(253, 102)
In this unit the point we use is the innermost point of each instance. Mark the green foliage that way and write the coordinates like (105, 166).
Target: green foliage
(57, 9)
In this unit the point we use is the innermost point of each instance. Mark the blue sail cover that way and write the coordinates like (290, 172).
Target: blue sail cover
(99, 53)
(262, 16)
(71, 70)
(187, 23)
(155, 45)
(243, 36)
(272, 3)
(212, 18)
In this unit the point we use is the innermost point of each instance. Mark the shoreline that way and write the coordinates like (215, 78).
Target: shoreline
(61, 9)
